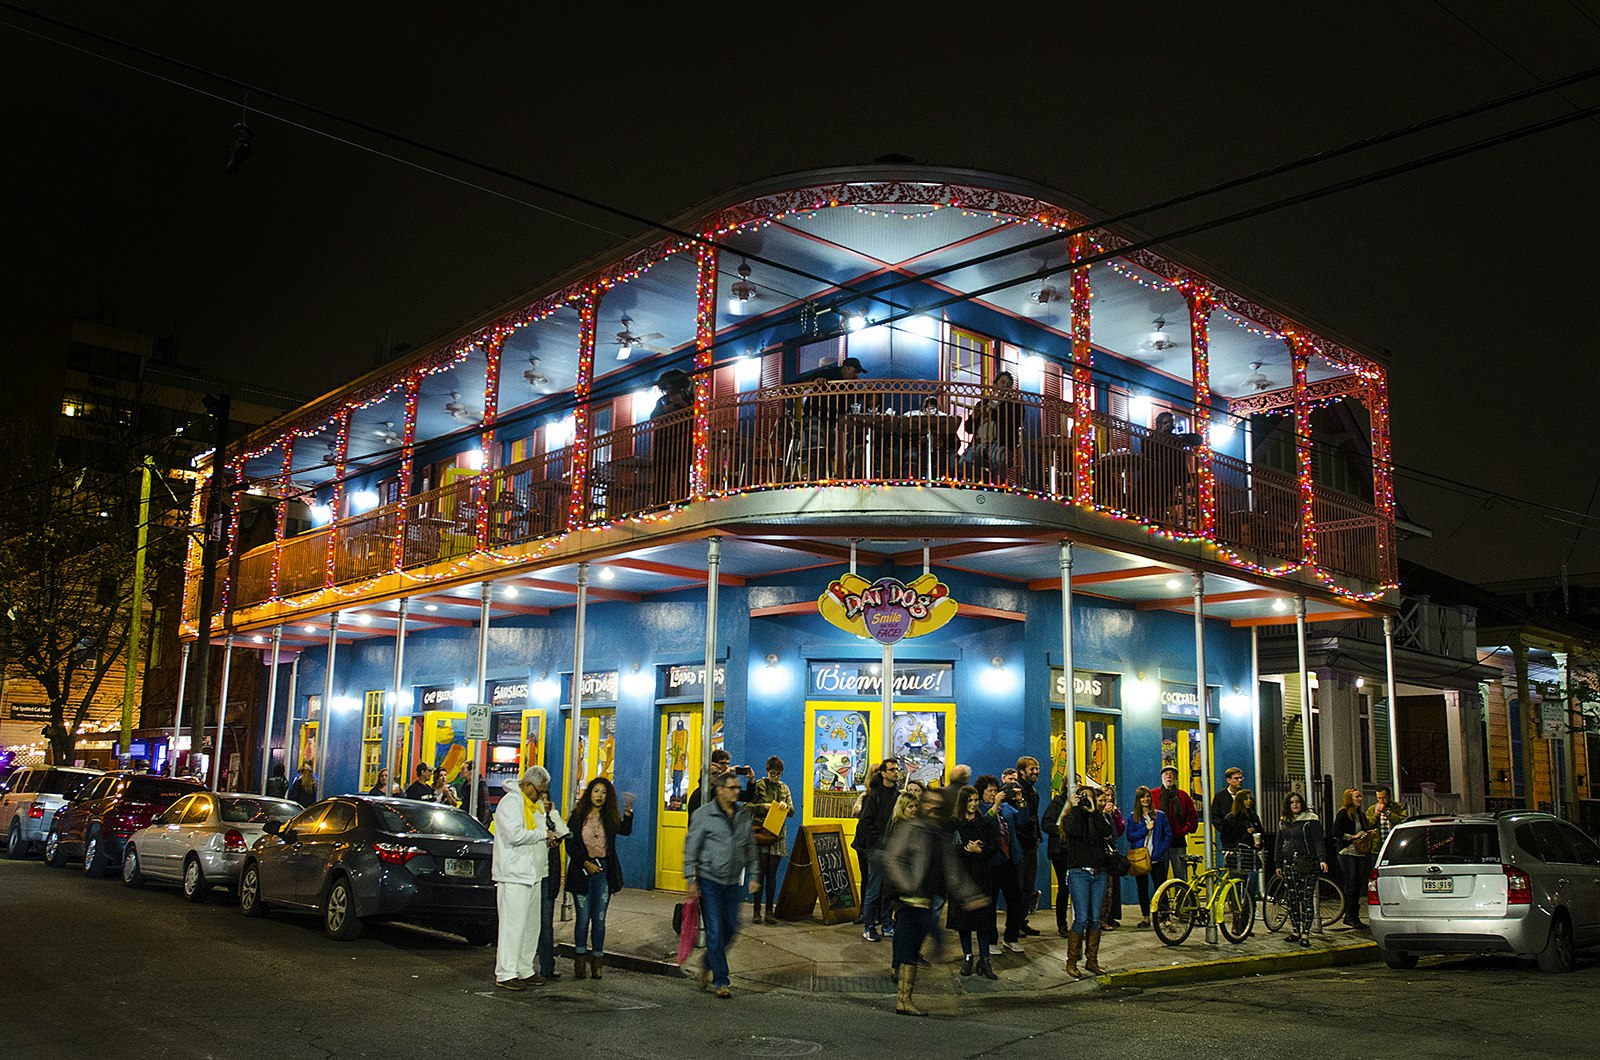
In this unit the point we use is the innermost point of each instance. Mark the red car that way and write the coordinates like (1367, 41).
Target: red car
(94, 826)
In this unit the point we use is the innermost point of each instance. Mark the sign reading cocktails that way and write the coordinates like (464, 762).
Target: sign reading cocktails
(887, 610)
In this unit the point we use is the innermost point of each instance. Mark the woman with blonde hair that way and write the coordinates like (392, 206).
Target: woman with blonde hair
(1350, 832)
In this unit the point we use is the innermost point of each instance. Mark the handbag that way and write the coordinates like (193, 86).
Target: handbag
(1117, 863)
(1138, 860)
(1302, 863)
(770, 828)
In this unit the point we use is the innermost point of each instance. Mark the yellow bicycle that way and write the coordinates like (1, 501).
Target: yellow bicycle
(1209, 897)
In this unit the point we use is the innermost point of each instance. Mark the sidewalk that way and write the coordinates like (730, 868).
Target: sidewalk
(809, 956)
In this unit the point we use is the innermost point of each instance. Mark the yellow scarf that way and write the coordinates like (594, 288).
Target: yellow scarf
(530, 814)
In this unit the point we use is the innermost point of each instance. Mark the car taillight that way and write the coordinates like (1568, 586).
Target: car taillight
(36, 810)
(1519, 888)
(233, 841)
(395, 853)
(1372, 889)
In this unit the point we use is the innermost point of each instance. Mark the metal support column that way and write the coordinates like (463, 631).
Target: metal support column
(1069, 721)
(575, 715)
(288, 716)
(222, 712)
(1255, 738)
(397, 769)
(713, 572)
(1202, 699)
(272, 707)
(177, 711)
(481, 757)
(325, 719)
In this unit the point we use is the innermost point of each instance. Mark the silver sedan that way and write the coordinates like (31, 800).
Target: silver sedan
(200, 841)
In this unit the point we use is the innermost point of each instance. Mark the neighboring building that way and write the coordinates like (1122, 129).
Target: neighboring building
(1166, 433)
(97, 386)
(1439, 708)
(1570, 596)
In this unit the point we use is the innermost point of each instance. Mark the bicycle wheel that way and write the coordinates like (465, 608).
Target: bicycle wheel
(1174, 911)
(1330, 903)
(1275, 904)
(1236, 911)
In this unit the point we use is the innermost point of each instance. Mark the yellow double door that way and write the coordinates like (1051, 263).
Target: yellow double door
(678, 766)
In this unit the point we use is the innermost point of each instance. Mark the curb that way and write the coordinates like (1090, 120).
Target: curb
(1240, 967)
(628, 962)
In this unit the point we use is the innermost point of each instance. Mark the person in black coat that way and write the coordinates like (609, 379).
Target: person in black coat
(593, 871)
(1050, 825)
(975, 838)
(877, 807)
(1086, 837)
(1028, 835)
(304, 788)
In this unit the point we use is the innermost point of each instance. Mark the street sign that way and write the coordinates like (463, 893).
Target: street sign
(477, 721)
(1552, 718)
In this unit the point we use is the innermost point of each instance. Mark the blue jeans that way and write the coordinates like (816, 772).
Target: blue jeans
(591, 903)
(1088, 890)
(872, 892)
(719, 910)
(547, 935)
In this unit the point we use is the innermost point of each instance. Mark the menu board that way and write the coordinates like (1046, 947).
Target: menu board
(819, 872)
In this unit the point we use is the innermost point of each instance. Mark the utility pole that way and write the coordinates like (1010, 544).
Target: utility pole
(137, 608)
(218, 499)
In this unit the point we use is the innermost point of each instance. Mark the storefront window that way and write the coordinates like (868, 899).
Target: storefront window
(839, 765)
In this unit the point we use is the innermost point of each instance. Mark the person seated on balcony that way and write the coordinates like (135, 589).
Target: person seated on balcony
(993, 426)
(820, 412)
(942, 439)
(671, 436)
(1169, 463)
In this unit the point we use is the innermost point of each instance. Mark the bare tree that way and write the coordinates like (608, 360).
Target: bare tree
(67, 540)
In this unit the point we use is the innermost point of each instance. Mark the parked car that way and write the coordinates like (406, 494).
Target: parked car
(1516, 882)
(356, 858)
(30, 804)
(200, 841)
(92, 827)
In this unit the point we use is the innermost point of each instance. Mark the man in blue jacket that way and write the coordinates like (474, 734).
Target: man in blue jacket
(720, 851)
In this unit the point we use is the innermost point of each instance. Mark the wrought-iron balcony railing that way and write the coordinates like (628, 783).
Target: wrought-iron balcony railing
(883, 432)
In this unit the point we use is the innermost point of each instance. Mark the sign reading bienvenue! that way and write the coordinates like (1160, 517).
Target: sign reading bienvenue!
(1183, 701)
(912, 680)
(684, 681)
(887, 610)
(1088, 689)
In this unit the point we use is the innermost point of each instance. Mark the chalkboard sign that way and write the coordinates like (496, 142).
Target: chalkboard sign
(820, 870)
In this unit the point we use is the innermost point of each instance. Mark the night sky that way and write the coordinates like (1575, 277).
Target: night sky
(1476, 275)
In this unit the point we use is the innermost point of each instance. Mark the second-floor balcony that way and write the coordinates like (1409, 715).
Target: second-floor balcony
(880, 433)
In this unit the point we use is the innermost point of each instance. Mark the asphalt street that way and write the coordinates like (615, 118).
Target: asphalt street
(94, 969)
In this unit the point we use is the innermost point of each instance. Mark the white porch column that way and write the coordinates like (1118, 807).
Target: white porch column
(1069, 710)
(1205, 714)
(1394, 708)
(177, 711)
(1305, 697)
(288, 714)
(575, 715)
(481, 758)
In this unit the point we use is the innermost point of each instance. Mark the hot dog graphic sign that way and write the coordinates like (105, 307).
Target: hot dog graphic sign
(887, 610)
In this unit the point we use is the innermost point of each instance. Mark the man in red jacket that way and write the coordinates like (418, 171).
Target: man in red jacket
(1181, 817)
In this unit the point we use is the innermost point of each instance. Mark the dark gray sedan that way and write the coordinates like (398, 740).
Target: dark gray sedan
(356, 858)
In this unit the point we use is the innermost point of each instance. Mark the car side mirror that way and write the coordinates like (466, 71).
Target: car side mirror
(273, 827)
(158, 820)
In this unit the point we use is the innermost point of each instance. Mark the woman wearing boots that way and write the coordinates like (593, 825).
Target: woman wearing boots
(1300, 859)
(1086, 832)
(920, 863)
(766, 791)
(1050, 824)
(593, 871)
(975, 835)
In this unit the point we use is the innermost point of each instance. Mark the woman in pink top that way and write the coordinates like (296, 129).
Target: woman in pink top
(593, 871)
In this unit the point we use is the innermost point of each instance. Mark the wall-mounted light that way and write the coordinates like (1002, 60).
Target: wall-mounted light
(1221, 433)
(472, 459)
(1139, 694)
(545, 688)
(362, 501)
(997, 678)
(748, 369)
(606, 574)
(346, 703)
(636, 682)
(772, 677)
(462, 695)
(1361, 682)
(1503, 775)
(309, 629)
(1280, 604)
(321, 515)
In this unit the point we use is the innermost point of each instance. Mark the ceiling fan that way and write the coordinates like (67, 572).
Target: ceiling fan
(532, 374)
(386, 435)
(1160, 341)
(1257, 379)
(459, 412)
(626, 341)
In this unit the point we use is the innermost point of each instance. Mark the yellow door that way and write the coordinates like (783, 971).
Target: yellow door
(841, 743)
(1094, 748)
(1180, 747)
(678, 776)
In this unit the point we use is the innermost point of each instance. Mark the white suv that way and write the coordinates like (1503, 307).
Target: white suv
(1516, 882)
(31, 801)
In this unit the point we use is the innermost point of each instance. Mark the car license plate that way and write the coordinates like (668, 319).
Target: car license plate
(1447, 885)
(460, 867)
